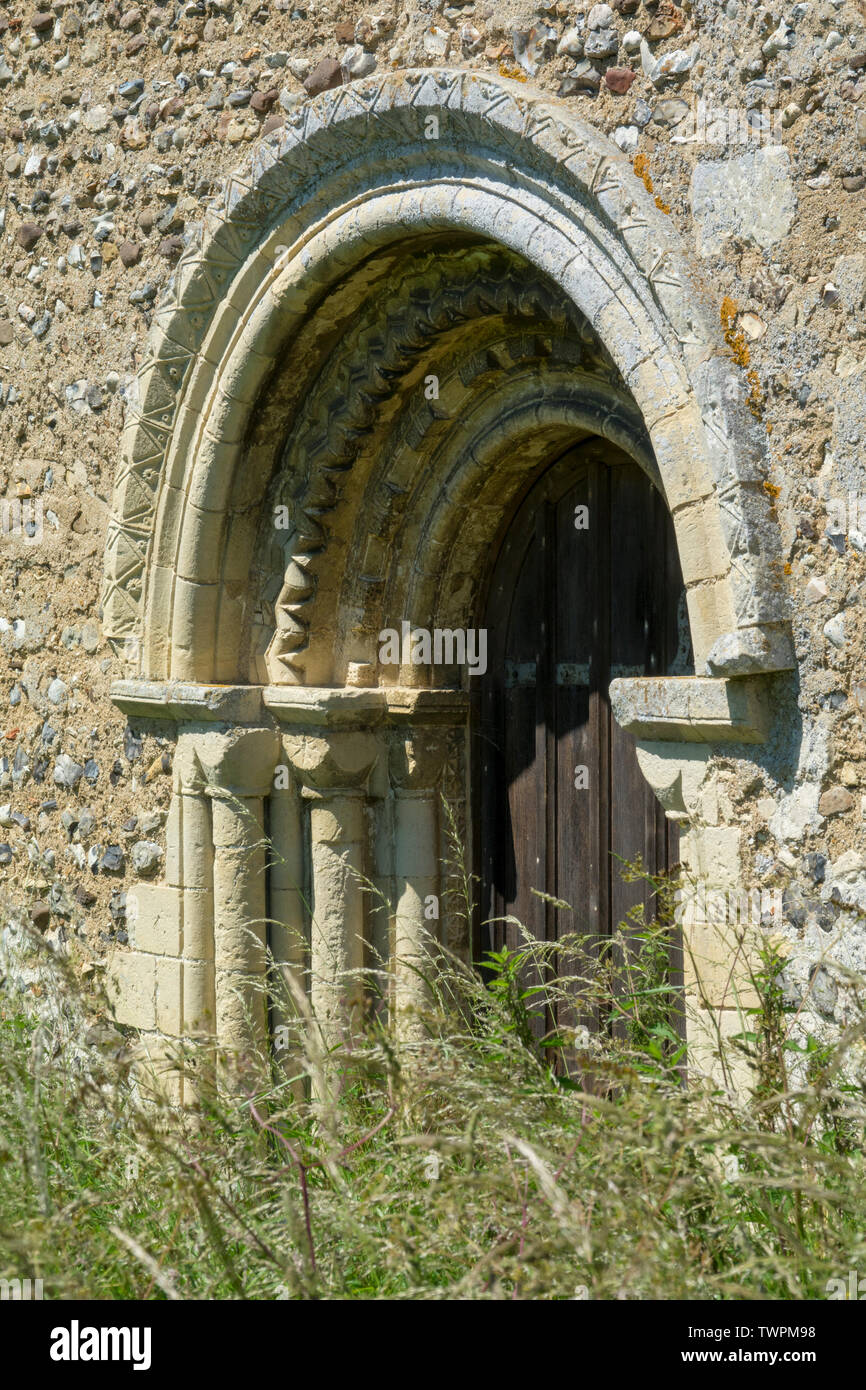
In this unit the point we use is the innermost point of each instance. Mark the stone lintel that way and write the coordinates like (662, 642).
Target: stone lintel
(187, 702)
(692, 709)
(353, 707)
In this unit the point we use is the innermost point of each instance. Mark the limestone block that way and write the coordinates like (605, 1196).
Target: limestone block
(719, 856)
(675, 772)
(700, 544)
(749, 650)
(153, 916)
(200, 557)
(194, 629)
(131, 987)
(678, 445)
(185, 998)
(711, 1054)
(241, 1012)
(197, 911)
(174, 843)
(159, 1073)
(189, 843)
(169, 997)
(711, 613)
(719, 964)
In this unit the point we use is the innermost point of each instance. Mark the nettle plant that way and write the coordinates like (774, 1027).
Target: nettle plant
(495, 1148)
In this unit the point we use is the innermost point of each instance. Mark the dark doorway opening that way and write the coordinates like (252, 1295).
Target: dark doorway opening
(585, 586)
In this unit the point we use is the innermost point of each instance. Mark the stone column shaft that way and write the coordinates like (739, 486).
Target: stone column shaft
(334, 768)
(240, 910)
(288, 878)
(236, 769)
(338, 838)
(416, 759)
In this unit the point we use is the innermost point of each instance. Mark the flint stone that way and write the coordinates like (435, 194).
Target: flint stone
(67, 772)
(325, 75)
(750, 196)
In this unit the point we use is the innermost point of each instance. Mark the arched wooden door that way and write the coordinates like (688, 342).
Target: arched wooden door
(586, 586)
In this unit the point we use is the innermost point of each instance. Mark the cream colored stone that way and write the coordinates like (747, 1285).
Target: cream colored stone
(719, 856)
(131, 987)
(713, 1051)
(721, 963)
(183, 581)
(153, 916)
(675, 772)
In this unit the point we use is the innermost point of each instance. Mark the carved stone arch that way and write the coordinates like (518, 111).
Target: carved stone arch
(508, 251)
(353, 173)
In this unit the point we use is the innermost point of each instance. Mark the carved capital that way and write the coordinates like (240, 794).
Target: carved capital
(415, 759)
(328, 764)
(235, 762)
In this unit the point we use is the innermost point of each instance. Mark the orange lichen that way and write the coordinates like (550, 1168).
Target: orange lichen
(641, 168)
(728, 312)
(739, 347)
(512, 71)
(739, 350)
(640, 164)
(772, 490)
(755, 398)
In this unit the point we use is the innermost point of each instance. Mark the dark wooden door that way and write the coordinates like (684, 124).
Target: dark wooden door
(586, 586)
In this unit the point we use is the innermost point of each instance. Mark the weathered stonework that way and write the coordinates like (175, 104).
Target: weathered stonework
(508, 240)
(521, 266)
(582, 220)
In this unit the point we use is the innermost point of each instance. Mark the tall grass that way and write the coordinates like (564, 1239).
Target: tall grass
(496, 1157)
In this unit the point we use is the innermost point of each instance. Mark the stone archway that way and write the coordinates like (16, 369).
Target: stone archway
(428, 227)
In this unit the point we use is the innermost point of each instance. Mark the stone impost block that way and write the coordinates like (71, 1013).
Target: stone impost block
(187, 701)
(360, 707)
(692, 709)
